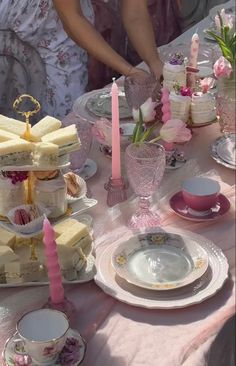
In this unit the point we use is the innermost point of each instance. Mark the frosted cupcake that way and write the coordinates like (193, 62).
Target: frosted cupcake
(203, 108)
(174, 71)
(180, 103)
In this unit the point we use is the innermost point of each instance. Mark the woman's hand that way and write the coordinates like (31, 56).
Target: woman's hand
(157, 69)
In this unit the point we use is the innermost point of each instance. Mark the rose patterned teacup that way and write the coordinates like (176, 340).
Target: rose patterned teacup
(43, 333)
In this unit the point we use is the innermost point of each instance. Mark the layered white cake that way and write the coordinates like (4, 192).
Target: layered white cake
(174, 71)
(203, 108)
(180, 106)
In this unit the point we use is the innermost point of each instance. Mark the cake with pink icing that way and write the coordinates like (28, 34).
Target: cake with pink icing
(203, 108)
(174, 71)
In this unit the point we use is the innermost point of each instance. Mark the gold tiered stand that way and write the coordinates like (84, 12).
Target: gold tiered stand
(27, 136)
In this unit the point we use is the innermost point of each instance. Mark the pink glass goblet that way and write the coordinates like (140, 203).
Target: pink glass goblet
(139, 87)
(78, 158)
(145, 166)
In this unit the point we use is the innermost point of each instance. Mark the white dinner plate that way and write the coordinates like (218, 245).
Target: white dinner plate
(214, 149)
(195, 293)
(226, 149)
(159, 262)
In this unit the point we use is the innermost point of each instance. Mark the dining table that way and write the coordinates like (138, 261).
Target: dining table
(120, 334)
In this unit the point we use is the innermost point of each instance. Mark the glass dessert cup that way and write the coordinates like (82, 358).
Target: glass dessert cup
(145, 166)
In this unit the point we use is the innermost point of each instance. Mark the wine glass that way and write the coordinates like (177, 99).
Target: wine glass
(78, 158)
(139, 87)
(145, 166)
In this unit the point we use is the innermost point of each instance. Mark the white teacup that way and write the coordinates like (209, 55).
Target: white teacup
(43, 333)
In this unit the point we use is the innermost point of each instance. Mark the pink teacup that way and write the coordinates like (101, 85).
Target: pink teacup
(200, 194)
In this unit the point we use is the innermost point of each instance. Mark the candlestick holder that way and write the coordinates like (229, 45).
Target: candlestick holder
(66, 307)
(116, 191)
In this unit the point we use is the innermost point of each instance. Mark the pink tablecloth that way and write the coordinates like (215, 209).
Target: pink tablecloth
(119, 334)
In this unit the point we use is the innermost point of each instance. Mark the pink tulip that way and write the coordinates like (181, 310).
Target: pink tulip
(148, 111)
(222, 68)
(102, 131)
(175, 130)
(227, 20)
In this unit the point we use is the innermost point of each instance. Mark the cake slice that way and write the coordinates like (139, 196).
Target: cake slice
(66, 138)
(12, 125)
(5, 136)
(46, 154)
(44, 126)
(16, 152)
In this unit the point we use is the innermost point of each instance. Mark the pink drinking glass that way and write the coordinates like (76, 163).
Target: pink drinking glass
(78, 158)
(145, 166)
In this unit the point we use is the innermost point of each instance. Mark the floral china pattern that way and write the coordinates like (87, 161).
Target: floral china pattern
(69, 356)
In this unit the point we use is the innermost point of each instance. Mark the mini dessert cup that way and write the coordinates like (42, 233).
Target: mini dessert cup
(82, 190)
(200, 194)
(33, 226)
(180, 107)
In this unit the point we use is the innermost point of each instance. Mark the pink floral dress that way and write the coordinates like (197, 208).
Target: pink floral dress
(36, 22)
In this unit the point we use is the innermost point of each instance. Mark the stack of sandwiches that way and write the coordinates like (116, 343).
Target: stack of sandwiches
(48, 141)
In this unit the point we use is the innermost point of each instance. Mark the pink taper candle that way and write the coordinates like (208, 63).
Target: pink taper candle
(115, 169)
(53, 267)
(166, 114)
(193, 59)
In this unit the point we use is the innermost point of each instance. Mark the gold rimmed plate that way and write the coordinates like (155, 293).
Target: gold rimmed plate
(159, 262)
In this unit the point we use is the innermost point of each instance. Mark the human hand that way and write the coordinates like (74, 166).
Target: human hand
(157, 69)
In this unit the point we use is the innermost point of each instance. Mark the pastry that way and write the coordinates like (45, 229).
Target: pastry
(12, 125)
(46, 175)
(7, 238)
(66, 138)
(203, 108)
(16, 152)
(73, 188)
(174, 71)
(5, 136)
(46, 154)
(44, 126)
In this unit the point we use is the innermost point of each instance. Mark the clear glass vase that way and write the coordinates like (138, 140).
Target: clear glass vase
(225, 104)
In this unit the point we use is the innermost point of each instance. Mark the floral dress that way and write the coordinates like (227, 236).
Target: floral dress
(36, 22)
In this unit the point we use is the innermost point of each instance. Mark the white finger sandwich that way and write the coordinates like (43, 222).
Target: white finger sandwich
(12, 125)
(46, 154)
(16, 152)
(66, 138)
(43, 127)
(5, 136)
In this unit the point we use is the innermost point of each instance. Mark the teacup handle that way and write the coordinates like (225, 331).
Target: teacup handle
(20, 341)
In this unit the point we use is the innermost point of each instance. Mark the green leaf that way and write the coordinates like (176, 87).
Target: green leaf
(147, 133)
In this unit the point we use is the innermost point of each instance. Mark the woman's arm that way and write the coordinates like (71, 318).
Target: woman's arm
(139, 28)
(85, 35)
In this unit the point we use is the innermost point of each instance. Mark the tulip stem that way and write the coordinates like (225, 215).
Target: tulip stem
(155, 139)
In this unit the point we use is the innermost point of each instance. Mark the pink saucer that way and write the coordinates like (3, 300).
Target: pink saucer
(181, 209)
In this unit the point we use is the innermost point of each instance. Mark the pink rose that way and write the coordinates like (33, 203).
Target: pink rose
(102, 131)
(222, 68)
(175, 130)
(22, 360)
